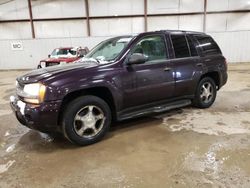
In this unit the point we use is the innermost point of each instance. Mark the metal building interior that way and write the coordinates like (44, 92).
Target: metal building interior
(183, 147)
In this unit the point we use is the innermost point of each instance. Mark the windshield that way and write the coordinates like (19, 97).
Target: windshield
(64, 52)
(109, 49)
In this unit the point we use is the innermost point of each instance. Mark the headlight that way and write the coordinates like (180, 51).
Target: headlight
(33, 93)
(43, 64)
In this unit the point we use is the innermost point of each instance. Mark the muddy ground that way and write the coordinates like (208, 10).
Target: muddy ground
(186, 147)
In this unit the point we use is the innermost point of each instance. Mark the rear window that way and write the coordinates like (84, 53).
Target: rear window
(180, 46)
(208, 45)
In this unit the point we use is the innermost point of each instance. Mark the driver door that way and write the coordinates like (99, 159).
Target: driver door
(154, 78)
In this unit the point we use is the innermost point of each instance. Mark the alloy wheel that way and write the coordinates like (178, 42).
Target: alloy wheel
(206, 93)
(89, 121)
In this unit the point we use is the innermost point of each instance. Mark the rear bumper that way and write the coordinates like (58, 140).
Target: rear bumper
(42, 117)
(223, 79)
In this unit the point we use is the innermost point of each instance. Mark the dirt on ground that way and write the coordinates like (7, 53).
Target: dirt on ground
(185, 147)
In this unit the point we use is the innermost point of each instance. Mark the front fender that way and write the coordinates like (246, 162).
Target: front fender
(54, 93)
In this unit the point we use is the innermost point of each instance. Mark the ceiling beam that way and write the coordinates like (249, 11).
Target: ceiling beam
(125, 16)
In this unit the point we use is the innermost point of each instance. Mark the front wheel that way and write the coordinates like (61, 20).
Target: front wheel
(205, 93)
(86, 120)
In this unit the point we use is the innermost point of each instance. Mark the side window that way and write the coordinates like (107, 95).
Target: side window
(192, 48)
(180, 46)
(208, 45)
(153, 47)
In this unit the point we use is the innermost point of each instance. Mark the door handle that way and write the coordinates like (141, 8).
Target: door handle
(167, 69)
(199, 64)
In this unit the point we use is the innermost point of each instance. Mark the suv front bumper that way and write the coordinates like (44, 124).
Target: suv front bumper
(42, 117)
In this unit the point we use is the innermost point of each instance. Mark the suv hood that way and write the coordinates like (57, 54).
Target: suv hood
(39, 74)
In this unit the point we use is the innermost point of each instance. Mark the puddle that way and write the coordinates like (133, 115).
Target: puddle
(217, 166)
(211, 123)
(10, 148)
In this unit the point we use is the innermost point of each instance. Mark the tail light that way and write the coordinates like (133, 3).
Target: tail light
(225, 62)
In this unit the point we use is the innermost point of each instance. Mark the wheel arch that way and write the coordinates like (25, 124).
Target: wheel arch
(215, 76)
(102, 92)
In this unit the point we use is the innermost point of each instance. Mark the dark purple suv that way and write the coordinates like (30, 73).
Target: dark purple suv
(121, 78)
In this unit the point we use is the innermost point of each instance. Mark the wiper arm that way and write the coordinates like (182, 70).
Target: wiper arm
(97, 60)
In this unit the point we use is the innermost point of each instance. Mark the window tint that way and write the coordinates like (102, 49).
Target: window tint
(208, 45)
(180, 46)
(153, 47)
(192, 48)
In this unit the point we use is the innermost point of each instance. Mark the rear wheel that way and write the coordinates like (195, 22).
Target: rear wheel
(86, 120)
(205, 93)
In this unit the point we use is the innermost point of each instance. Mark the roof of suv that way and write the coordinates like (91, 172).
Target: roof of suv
(162, 31)
(165, 31)
(180, 31)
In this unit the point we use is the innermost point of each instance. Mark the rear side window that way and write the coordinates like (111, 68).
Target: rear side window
(180, 46)
(192, 48)
(208, 45)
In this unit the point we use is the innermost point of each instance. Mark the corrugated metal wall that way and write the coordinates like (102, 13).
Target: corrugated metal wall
(38, 49)
(231, 30)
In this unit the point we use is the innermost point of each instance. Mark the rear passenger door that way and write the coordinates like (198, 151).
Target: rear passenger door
(186, 64)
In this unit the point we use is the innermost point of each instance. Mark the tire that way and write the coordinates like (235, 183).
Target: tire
(86, 120)
(205, 98)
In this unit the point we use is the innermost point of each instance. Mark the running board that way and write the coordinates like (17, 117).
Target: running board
(156, 109)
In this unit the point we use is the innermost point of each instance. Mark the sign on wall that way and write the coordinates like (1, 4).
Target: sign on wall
(16, 46)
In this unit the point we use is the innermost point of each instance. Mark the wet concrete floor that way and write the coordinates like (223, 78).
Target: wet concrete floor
(185, 147)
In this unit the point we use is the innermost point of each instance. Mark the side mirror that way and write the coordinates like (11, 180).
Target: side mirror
(49, 56)
(137, 58)
(82, 52)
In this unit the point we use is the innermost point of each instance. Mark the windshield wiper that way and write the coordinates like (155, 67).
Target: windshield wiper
(97, 60)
